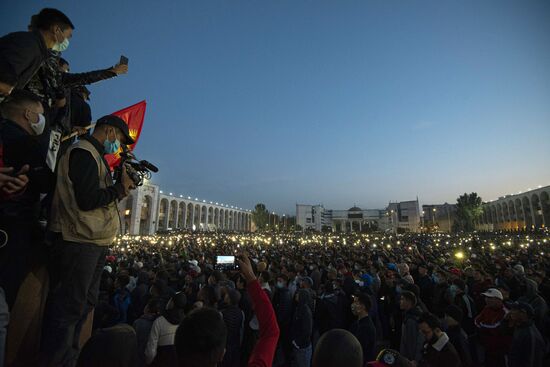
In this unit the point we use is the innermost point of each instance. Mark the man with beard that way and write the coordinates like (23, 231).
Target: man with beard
(438, 350)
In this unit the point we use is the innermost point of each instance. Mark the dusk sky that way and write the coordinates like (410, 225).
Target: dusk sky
(335, 102)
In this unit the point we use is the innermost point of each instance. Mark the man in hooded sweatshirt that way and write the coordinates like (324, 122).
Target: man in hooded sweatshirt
(301, 330)
(532, 297)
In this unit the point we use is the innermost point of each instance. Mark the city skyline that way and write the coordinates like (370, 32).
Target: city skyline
(359, 102)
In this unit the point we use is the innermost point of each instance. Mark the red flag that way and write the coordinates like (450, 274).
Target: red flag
(133, 116)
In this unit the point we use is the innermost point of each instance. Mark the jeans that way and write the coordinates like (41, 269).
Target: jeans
(301, 357)
(75, 274)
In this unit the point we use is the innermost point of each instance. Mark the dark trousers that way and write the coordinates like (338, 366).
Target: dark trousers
(75, 274)
(23, 249)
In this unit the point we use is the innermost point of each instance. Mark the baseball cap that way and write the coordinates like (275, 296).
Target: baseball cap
(119, 123)
(388, 357)
(493, 293)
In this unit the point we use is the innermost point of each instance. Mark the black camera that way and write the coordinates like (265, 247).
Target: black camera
(137, 170)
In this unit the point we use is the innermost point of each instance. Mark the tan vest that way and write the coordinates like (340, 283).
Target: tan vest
(98, 226)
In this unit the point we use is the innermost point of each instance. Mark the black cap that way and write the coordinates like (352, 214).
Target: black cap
(119, 123)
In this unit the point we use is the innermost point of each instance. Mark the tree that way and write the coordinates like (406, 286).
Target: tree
(260, 216)
(468, 210)
(326, 229)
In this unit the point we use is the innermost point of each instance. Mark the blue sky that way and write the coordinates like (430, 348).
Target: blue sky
(333, 102)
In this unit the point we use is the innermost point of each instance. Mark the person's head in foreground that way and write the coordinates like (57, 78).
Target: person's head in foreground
(200, 339)
(114, 346)
(338, 348)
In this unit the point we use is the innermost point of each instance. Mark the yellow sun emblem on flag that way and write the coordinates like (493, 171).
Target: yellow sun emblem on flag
(133, 135)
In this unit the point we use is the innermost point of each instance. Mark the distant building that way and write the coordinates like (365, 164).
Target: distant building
(147, 210)
(404, 216)
(397, 217)
(439, 216)
(311, 217)
(523, 211)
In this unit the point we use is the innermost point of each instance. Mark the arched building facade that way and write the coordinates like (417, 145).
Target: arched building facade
(523, 211)
(147, 210)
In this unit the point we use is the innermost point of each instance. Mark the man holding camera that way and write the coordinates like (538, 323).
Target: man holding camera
(84, 222)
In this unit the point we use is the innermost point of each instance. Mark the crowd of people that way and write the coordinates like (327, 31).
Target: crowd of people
(418, 299)
(288, 299)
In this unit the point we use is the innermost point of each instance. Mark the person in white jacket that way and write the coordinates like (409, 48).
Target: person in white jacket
(160, 350)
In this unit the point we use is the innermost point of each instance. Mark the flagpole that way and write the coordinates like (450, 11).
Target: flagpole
(72, 135)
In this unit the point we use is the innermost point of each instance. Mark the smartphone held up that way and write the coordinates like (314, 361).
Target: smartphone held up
(226, 262)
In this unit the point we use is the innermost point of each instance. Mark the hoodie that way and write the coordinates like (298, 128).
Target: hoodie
(538, 303)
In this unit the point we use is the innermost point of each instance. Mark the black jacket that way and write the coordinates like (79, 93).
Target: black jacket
(365, 332)
(302, 322)
(459, 339)
(19, 148)
(282, 304)
(80, 112)
(85, 177)
(427, 286)
(234, 321)
(527, 349)
(24, 52)
(330, 312)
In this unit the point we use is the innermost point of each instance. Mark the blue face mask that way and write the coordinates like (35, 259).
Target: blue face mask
(111, 147)
(60, 47)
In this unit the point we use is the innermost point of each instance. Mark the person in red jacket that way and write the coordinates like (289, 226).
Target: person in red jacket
(492, 333)
(201, 337)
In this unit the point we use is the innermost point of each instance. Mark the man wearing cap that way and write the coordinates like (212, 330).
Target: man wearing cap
(527, 349)
(84, 222)
(491, 335)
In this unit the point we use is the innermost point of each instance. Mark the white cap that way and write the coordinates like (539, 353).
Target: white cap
(493, 293)
(194, 262)
(108, 268)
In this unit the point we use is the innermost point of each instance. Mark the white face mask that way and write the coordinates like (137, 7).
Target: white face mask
(38, 127)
